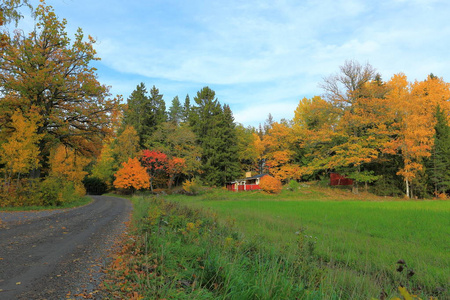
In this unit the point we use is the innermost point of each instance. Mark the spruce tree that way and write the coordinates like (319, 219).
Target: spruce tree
(216, 134)
(144, 112)
(175, 111)
(229, 163)
(438, 165)
(136, 112)
(158, 106)
(186, 109)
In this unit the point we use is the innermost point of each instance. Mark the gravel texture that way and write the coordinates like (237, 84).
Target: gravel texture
(59, 254)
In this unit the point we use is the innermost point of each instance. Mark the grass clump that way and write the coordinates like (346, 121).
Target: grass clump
(181, 253)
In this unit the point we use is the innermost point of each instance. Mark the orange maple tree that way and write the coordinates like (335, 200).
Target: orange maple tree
(132, 176)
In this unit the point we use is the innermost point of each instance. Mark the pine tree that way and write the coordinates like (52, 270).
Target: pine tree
(186, 109)
(157, 106)
(175, 111)
(229, 163)
(136, 114)
(216, 134)
(144, 112)
(438, 166)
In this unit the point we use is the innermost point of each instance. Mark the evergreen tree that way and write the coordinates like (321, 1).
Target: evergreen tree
(136, 113)
(175, 111)
(216, 134)
(438, 165)
(144, 112)
(158, 106)
(186, 109)
(229, 162)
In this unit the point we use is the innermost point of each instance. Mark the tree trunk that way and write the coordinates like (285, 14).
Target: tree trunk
(355, 189)
(407, 187)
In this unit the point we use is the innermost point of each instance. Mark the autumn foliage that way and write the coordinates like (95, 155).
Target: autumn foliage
(132, 176)
(270, 184)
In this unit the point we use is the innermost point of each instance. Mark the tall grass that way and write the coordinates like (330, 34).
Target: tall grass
(358, 241)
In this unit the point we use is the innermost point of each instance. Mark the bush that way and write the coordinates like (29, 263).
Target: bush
(51, 191)
(192, 187)
(95, 186)
(293, 185)
(270, 184)
(54, 191)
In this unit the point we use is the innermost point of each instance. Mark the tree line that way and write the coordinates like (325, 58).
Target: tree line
(390, 137)
(60, 127)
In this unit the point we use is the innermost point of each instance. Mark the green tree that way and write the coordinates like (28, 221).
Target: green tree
(229, 165)
(137, 113)
(144, 112)
(177, 141)
(176, 111)
(157, 106)
(186, 109)
(438, 165)
(216, 133)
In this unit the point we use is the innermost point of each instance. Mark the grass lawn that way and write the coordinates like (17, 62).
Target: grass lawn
(359, 239)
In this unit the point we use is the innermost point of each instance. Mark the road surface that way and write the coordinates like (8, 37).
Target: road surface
(58, 254)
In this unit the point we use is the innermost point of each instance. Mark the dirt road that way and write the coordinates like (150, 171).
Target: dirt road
(58, 255)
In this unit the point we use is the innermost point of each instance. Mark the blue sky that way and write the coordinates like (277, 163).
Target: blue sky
(259, 57)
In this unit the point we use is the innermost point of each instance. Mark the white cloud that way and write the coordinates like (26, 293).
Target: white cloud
(262, 56)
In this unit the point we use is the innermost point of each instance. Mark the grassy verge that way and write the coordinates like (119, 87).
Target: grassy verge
(297, 245)
(180, 253)
(76, 203)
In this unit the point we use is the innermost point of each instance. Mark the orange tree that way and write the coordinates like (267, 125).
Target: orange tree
(46, 71)
(132, 176)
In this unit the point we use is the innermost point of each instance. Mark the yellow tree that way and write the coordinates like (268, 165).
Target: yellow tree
(105, 165)
(260, 151)
(48, 71)
(415, 105)
(247, 152)
(20, 151)
(126, 145)
(314, 125)
(279, 144)
(66, 164)
(361, 134)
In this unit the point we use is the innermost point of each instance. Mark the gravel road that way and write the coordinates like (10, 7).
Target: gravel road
(58, 254)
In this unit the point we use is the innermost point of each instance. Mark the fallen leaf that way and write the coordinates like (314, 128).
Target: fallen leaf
(17, 283)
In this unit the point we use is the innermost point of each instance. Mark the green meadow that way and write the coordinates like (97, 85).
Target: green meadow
(358, 240)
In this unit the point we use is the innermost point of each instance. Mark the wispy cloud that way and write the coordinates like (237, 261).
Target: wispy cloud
(260, 56)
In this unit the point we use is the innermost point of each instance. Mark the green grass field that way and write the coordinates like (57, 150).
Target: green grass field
(359, 239)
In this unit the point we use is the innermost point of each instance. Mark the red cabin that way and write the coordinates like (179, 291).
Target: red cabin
(247, 184)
